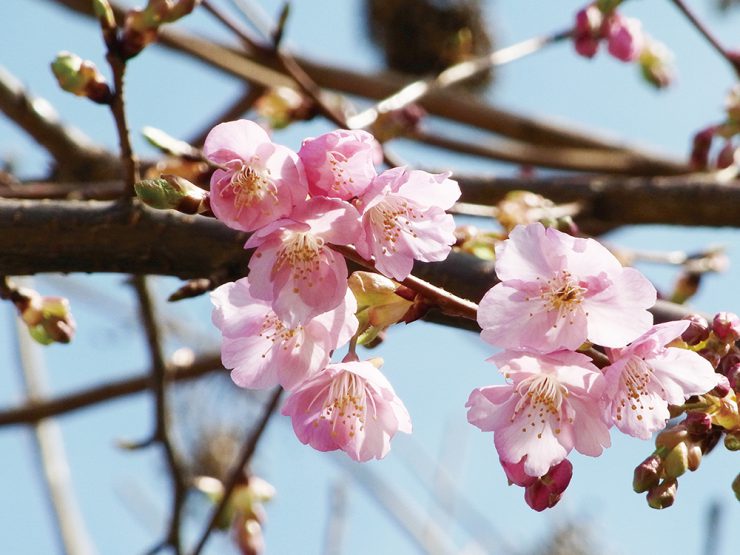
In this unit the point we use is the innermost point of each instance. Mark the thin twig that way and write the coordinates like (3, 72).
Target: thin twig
(732, 59)
(236, 473)
(161, 431)
(454, 75)
(449, 304)
(35, 410)
(49, 445)
(118, 109)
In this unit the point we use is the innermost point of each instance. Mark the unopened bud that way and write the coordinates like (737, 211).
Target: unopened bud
(736, 486)
(701, 145)
(668, 439)
(281, 106)
(676, 462)
(104, 13)
(663, 495)
(722, 389)
(397, 123)
(726, 156)
(173, 192)
(698, 424)
(378, 304)
(655, 64)
(647, 474)
(697, 331)
(587, 31)
(49, 320)
(732, 441)
(694, 457)
(726, 326)
(80, 77)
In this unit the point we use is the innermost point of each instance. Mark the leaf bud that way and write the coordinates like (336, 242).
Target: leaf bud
(80, 77)
(173, 192)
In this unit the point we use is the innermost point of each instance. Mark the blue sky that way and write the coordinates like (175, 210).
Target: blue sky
(122, 494)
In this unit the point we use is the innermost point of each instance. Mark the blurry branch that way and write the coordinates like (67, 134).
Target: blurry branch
(337, 520)
(50, 454)
(161, 427)
(434, 539)
(74, 154)
(463, 108)
(733, 58)
(38, 409)
(236, 472)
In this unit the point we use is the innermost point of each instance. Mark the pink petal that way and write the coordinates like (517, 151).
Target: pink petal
(239, 138)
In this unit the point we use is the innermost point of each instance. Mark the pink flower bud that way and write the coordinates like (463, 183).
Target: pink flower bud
(726, 326)
(624, 37)
(697, 331)
(647, 474)
(587, 31)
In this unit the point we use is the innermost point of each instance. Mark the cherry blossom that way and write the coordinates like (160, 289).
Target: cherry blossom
(587, 31)
(294, 268)
(625, 38)
(260, 181)
(404, 219)
(349, 406)
(557, 291)
(647, 376)
(263, 351)
(551, 406)
(340, 164)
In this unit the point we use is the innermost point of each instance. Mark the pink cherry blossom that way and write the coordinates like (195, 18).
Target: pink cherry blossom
(261, 181)
(349, 406)
(625, 38)
(557, 291)
(340, 164)
(645, 377)
(587, 31)
(404, 219)
(263, 351)
(294, 268)
(541, 492)
(551, 406)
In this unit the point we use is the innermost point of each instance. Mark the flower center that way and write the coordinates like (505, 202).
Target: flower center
(391, 217)
(338, 167)
(563, 294)
(249, 186)
(636, 378)
(302, 251)
(541, 399)
(346, 403)
(279, 335)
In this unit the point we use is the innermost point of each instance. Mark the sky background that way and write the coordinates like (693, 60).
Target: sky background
(122, 494)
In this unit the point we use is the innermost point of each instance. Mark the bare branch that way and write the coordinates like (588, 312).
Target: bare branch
(75, 155)
(50, 452)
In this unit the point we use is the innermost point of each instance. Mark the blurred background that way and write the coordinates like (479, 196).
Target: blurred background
(442, 485)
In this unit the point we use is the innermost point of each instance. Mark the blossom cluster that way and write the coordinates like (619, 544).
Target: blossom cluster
(625, 40)
(281, 325)
(559, 295)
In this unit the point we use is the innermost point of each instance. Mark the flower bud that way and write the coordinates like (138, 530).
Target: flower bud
(587, 31)
(647, 474)
(655, 64)
(104, 13)
(281, 106)
(694, 457)
(625, 38)
(663, 495)
(397, 123)
(676, 462)
(697, 331)
(669, 438)
(722, 389)
(736, 486)
(701, 145)
(732, 441)
(726, 326)
(80, 77)
(49, 319)
(726, 156)
(698, 424)
(171, 191)
(378, 304)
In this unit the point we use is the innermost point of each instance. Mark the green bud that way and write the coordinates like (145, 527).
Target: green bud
(732, 441)
(104, 13)
(378, 304)
(49, 319)
(736, 486)
(677, 461)
(663, 495)
(80, 77)
(171, 192)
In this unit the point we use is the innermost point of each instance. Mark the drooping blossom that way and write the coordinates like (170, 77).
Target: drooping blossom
(261, 181)
(587, 30)
(625, 37)
(645, 377)
(263, 351)
(404, 219)
(541, 492)
(340, 164)
(557, 291)
(349, 406)
(294, 268)
(551, 406)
